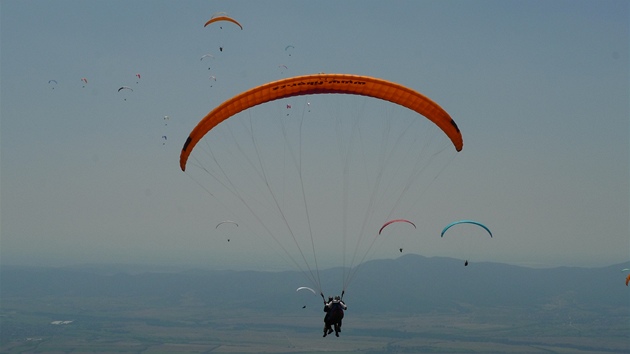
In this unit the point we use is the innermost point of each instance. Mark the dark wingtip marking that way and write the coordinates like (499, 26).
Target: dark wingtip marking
(186, 144)
(456, 128)
(455, 125)
(183, 164)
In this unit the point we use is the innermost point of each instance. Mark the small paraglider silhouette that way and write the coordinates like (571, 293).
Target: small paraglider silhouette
(286, 49)
(207, 56)
(466, 222)
(304, 306)
(222, 16)
(226, 222)
(395, 221)
(125, 88)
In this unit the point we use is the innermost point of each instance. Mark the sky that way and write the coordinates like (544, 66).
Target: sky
(88, 174)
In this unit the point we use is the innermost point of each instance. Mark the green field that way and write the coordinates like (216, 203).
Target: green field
(144, 325)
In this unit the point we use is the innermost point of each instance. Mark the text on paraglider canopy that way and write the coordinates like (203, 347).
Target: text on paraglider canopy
(319, 83)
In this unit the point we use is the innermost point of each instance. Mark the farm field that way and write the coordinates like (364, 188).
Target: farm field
(136, 325)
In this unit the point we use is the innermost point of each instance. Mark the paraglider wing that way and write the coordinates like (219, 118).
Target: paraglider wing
(393, 221)
(223, 18)
(627, 279)
(321, 84)
(307, 288)
(125, 88)
(226, 222)
(219, 13)
(465, 222)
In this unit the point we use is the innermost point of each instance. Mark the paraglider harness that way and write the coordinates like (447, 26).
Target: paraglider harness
(334, 313)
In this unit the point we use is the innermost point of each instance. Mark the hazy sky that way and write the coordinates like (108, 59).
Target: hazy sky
(539, 90)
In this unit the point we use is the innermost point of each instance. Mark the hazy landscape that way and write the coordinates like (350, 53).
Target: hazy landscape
(411, 304)
(171, 172)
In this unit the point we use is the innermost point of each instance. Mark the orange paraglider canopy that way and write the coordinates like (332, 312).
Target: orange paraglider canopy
(321, 84)
(223, 18)
(627, 279)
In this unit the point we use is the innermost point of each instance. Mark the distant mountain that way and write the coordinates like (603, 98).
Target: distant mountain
(409, 284)
(418, 283)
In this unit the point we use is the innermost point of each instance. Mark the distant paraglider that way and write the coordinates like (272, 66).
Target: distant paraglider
(627, 279)
(164, 136)
(208, 56)
(219, 17)
(51, 82)
(289, 49)
(222, 18)
(124, 89)
(84, 80)
(465, 222)
(306, 288)
(225, 222)
(393, 221)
